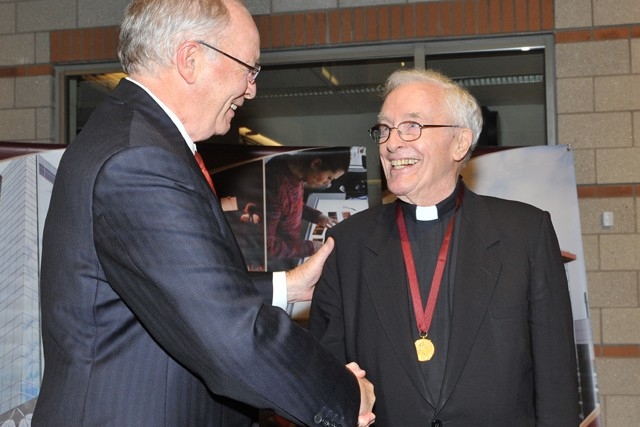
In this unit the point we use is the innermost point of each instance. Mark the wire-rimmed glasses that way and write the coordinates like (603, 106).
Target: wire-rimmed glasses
(253, 70)
(407, 131)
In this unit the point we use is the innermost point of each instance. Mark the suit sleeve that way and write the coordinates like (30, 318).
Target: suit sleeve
(264, 284)
(551, 323)
(167, 251)
(326, 316)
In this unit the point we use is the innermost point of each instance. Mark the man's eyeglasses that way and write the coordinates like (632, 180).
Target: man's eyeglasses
(253, 70)
(407, 131)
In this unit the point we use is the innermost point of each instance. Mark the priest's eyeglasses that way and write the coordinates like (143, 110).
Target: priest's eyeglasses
(407, 131)
(253, 70)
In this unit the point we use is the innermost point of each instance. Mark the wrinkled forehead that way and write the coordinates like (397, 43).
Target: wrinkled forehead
(416, 100)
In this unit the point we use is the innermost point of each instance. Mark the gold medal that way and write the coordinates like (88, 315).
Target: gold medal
(425, 349)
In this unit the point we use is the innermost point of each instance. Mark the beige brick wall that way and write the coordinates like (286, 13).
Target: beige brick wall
(598, 90)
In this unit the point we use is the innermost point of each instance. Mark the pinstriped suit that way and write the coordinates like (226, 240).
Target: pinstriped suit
(149, 316)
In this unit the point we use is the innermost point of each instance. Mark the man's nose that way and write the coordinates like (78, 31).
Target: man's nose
(252, 90)
(394, 141)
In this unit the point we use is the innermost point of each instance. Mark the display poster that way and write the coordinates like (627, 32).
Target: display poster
(26, 181)
(544, 176)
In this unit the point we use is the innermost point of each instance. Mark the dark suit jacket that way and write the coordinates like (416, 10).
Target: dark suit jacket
(149, 316)
(511, 355)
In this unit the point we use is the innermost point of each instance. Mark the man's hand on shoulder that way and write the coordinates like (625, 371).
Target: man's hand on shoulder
(301, 281)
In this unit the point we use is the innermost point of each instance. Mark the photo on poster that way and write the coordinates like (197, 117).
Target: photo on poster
(280, 203)
(26, 182)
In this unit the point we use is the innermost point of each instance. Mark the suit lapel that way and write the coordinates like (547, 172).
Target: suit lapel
(474, 285)
(386, 279)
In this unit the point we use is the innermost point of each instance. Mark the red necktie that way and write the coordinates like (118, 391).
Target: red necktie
(204, 170)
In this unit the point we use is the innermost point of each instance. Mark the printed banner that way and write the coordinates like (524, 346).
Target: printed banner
(544, 176)
(25, 190)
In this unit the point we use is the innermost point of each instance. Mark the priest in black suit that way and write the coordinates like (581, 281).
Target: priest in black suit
(455, 304)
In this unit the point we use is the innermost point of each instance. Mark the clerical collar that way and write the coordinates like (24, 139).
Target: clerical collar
(430, 213)
(426, 213)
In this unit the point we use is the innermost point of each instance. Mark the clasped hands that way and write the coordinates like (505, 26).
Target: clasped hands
(366, 417)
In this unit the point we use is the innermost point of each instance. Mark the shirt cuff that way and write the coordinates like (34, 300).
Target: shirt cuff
(279, 298)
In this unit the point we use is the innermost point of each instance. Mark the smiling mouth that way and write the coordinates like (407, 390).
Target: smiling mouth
(402, 163)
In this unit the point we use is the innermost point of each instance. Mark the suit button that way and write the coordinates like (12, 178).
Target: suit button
(436, 423)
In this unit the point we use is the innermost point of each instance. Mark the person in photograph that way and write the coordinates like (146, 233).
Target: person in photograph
(455, 304)
(287, 177)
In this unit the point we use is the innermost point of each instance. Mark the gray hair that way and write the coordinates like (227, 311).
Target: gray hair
(152, 30)
(461, 105)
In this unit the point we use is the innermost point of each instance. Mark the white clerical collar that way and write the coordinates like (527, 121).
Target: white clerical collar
(426, 213)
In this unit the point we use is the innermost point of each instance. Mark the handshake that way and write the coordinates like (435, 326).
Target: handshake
(366, 417)
(300, 286)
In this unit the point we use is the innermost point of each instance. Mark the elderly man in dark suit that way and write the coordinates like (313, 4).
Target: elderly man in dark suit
(456, 305)
(149, 316)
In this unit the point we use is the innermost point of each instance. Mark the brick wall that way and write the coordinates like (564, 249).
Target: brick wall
(469, 18)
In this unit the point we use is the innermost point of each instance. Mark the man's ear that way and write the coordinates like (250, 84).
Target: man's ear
(462, 144)
(187, 60)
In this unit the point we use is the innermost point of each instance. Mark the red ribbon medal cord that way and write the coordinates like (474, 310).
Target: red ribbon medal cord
(424, 346)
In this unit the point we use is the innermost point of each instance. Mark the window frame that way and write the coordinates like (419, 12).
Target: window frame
(420, 50)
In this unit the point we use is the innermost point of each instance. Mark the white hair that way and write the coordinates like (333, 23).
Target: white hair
(461, 105)
(152, 30)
